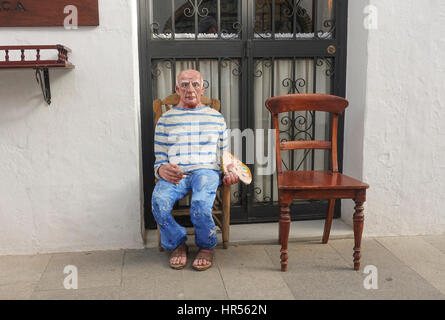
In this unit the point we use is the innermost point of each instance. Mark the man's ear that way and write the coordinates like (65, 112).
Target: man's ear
(177, 89)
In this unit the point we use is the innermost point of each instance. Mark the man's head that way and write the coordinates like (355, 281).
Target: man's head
(190, 89)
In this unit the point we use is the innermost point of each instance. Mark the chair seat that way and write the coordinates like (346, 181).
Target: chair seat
(321, 180)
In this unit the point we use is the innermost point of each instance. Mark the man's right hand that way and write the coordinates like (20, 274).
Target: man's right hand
(169, 172)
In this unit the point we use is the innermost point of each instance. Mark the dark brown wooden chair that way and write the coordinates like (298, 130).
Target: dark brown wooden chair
(221, 207)
(329, 185)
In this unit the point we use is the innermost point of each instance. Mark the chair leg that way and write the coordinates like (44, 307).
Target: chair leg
(159, 239)
(328, 221)
(284, 234)
(358, 219)
(226, 217)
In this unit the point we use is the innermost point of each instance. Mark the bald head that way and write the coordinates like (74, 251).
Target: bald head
(189, 74)
(190, 89)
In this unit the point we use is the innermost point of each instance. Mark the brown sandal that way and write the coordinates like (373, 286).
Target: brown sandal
(180, 252)
(206, 255)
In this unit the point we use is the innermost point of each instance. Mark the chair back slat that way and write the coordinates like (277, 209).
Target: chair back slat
(307, 102)
(308, 144)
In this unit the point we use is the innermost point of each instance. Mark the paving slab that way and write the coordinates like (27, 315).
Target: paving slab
(248, 273)
(95, 270)
(15, 269)
(316, 271)
(207, 285)
(16, 291)
(421, 256)
(267, 233)
(395, 279)
(104, 293)
(146, 275)
(436, 241)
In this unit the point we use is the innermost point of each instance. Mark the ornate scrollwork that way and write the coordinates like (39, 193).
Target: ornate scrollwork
(296, 8)
(298, 126)
(258, 191)
(190, 12)
(237, 26)
(330, 25)
(156, 71)
(236, 197)
(154, 27)
(267, 63)
(236, 71)
(330, 67)
(293, 84)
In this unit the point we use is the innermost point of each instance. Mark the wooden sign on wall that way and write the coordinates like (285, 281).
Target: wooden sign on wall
(48, 13)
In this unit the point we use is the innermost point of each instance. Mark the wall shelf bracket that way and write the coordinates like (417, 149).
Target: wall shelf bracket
(44, 83)
(40, 66)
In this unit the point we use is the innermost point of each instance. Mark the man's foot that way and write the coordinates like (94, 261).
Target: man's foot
(203, 260)
(178, 257)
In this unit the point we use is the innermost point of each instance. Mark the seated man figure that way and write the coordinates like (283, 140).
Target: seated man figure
(189, 141)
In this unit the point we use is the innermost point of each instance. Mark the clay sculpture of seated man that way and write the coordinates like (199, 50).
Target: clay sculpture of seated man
(189, 140)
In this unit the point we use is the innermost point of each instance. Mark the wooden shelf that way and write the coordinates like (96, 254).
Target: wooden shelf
(36, 63)
(62, 61)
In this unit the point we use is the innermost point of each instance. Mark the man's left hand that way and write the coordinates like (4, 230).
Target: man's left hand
(230, 178)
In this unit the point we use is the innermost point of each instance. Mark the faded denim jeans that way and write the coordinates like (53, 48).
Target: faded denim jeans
(203, 183)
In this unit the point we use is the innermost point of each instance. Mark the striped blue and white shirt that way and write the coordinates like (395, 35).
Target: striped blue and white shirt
(191, 138)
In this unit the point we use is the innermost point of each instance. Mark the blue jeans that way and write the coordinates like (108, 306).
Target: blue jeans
(203, 183)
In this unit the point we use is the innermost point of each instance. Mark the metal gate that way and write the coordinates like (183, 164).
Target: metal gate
(247, 50)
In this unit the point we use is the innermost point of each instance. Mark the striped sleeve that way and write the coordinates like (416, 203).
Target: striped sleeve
(223, 142)
(160, 149)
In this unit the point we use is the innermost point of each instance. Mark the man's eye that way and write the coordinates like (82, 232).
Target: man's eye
(196, 85)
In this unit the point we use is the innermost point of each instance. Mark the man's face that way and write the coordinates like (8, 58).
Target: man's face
(189, 88)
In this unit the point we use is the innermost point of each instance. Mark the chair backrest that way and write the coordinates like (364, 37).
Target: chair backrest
(173, 100)
(307, 102)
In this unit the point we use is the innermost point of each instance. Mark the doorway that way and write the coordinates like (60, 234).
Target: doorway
(248, 51)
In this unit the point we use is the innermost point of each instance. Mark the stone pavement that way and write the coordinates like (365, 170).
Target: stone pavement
(408, 268)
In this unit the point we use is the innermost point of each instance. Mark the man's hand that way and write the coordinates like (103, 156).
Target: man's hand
(169, 172)
(230, 178)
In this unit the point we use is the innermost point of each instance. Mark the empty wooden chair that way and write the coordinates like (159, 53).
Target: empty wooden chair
(221, 206)
(329, 184)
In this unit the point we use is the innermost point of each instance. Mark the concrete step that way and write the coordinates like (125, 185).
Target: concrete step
(267, 233)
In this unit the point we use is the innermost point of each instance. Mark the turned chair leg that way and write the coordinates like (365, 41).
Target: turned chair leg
(284, 234)
(328, 221)
(226, 217)
(358, 219)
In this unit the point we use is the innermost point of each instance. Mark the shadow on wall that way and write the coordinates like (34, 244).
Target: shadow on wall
(21, 94)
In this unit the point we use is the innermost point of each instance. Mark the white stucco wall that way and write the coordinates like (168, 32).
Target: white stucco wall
(70, 173)
(356, 85)
(404, 136)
